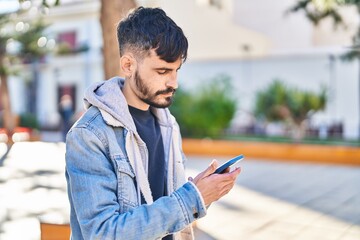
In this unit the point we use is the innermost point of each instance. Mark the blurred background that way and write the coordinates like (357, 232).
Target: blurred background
(282, 71)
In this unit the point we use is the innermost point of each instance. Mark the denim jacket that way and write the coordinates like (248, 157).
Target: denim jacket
(106, 171)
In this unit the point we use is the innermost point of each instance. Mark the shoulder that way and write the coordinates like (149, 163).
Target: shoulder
(91, 116)
(93, 122)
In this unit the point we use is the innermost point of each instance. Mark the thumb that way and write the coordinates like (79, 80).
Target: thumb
(211, 169)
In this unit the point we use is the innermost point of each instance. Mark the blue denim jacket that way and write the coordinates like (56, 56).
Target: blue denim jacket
(105, 160)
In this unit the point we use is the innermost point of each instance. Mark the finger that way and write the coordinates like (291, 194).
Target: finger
(227, 170)
(231, 176)
(211, 169)
(236, 171)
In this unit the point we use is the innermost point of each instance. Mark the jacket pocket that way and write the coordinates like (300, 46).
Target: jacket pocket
(127, 194)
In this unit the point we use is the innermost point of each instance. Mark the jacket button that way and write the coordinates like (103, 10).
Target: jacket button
(196, 215)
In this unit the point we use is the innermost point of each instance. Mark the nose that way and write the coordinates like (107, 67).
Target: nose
(172, 81)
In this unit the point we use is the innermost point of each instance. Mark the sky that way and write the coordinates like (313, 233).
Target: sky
(7, 6)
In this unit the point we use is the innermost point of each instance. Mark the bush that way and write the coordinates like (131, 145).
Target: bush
(28, 120)
(279, 102)
(207, 111)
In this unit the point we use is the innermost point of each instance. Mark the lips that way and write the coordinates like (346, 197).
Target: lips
(168, 94)
(169, 91)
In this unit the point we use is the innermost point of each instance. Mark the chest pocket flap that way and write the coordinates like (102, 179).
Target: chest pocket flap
(127, 194)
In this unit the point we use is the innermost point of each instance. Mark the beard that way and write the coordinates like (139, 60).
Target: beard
(153, 99)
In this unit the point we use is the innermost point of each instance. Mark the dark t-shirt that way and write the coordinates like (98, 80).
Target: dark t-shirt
(149, 131)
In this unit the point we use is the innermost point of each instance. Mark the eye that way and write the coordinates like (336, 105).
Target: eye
(162, 72)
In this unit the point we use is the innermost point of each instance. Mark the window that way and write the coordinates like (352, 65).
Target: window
(68, 38)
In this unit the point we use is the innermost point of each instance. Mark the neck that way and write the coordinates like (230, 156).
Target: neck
(132, 99)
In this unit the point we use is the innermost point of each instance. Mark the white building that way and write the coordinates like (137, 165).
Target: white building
(225, 37)
(75, 23)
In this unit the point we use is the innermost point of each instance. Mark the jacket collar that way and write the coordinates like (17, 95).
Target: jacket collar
(108, 97)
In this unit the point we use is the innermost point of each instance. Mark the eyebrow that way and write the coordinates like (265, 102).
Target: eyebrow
(167, 69)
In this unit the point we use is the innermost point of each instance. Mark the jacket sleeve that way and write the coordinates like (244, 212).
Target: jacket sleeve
(92, 187)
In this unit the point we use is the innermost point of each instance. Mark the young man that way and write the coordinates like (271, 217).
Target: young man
(124, 162)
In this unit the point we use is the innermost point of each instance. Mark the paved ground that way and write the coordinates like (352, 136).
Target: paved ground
(271, 201)
(280, 201)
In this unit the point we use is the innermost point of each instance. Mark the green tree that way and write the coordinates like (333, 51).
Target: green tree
(28, 50)
(290, 105)
(205, 111)
(32, 42)
(111, 12)
(318, 10)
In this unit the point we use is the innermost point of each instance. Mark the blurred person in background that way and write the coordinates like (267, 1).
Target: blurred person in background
(124, 160)
(66, 113)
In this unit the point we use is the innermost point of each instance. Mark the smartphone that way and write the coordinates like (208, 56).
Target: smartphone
(229, 163)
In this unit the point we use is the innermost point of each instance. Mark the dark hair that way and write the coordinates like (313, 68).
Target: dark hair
(150, 28)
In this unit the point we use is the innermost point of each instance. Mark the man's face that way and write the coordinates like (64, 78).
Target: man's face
(155, 81)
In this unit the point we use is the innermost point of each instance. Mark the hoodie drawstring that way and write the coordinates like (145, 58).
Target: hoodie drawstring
(141, 181)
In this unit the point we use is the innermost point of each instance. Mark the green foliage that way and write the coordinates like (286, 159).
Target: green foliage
(207, 111)
(4, 36)
(45, 3)
(268, 101)
(28, 40)
(28, 120)
(65, 49)
(317, 10)
(281, 103)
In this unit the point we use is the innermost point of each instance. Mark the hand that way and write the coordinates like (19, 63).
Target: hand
(214, 186)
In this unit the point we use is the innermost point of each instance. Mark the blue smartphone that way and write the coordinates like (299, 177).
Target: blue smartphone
(229, 163)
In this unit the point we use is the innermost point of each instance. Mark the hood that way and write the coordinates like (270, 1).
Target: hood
(108, 97)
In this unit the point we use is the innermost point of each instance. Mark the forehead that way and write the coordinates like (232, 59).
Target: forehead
(153, 61)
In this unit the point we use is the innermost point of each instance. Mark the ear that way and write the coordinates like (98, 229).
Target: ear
(127, 65)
